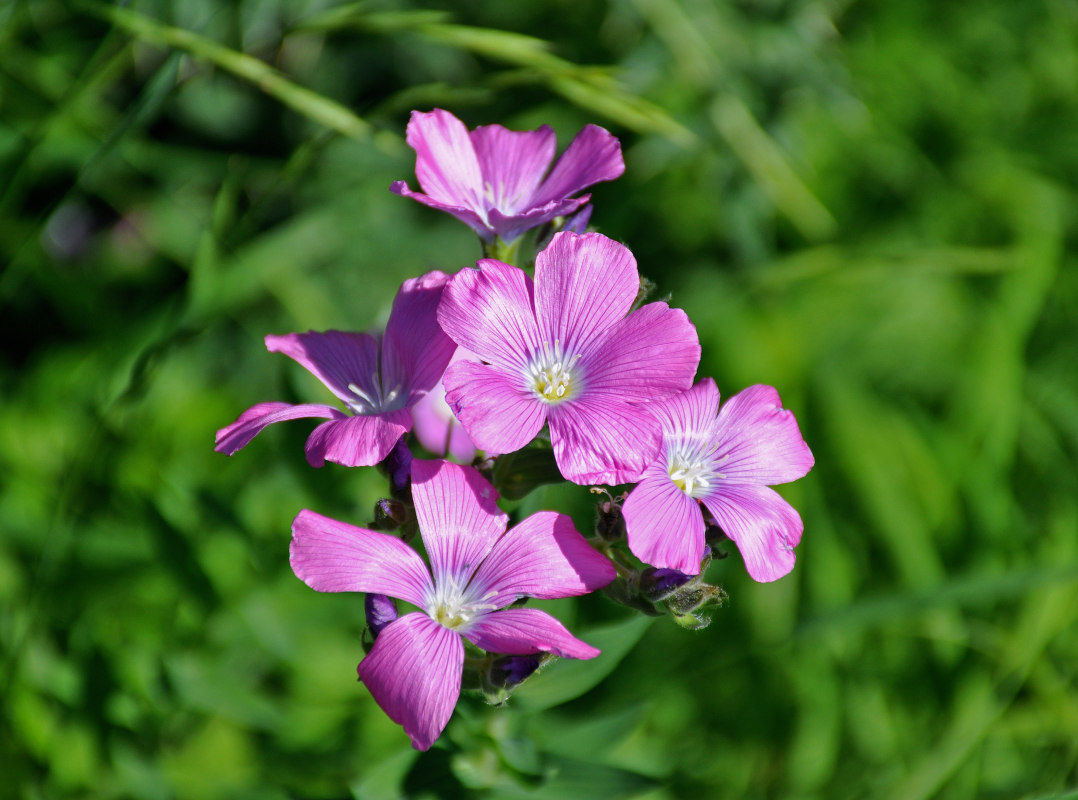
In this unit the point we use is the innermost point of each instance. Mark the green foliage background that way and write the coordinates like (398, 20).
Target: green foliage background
(866, 204)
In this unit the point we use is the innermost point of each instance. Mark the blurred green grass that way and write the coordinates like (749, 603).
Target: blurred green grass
(868, 205)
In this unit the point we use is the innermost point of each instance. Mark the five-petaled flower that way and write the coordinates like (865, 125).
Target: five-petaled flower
(414, 668)
(378, 381)
(566, 352)
(725, 459)
(492, 178)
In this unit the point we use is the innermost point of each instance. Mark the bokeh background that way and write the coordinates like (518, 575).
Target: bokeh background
(866, 203)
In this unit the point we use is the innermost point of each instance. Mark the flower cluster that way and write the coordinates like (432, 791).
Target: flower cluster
(559, 370)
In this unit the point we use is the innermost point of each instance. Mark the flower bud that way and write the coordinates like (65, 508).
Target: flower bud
(658, 584)
(381, 611)
(509, 671)
(389, 514)
(398, 466)
(610, 523)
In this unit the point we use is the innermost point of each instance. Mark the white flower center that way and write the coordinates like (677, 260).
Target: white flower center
(553, 376)
(375, 400)
(691, 464)
(454, 607)
(495, 197)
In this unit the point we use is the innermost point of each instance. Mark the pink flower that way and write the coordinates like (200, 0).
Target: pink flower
(727, 460)
(492, 178)
(435, 426)
(566, 352)
(378, 382)
(414, 668)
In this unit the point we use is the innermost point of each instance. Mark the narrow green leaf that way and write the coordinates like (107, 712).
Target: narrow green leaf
(321, 109)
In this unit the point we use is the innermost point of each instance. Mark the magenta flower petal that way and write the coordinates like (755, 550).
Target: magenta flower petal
(544, 556)
(361, 441)
(436, 427)
(519, 631)
(651, 353)
(458, 515)
(665, 524)
(592, 157)
(461, 446)
(511, 226)
(601, 439)
(332, 556)
(512, 163)
(465, 215)
(343, 361)
(689, 412)
(490, 312)
(762, 443)
(498, 416)
(764, 527)
(415, 350)
(414, 672)
(446, 164)
(585, 284)
(251, 422)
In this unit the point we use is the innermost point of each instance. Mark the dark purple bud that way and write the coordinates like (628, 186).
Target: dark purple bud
(381, 611)
(509, 671)
(578, 222)
(398, 465)
(659, 583)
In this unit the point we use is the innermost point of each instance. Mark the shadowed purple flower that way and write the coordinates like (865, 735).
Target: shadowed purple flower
(414, 668)
(492, 179)
(566, 352)
(377, 381)
(435, 426)
(725, 459)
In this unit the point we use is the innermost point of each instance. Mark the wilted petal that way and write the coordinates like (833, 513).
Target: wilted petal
(413, 672)
(415, 350)
(764, 527)
(584, 284)
(498, 416)
(759, 441)
(361, 441)
(512, 163)
(651, 353)
(458, 515)
(519, 631)
(593, 156)
(664, 526)
(337, 358)
(490, 311)
(251, 422)
(544, 556)
(332, 556)
(600, 439)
